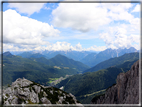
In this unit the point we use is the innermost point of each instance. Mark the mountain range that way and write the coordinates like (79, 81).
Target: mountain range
(34, 62)
(94, 59)
(17, 67)
(90, 83)
(114, 61)
(88, 58)
(90, 73)
(31, 55)
(75, 55)
(62, 61)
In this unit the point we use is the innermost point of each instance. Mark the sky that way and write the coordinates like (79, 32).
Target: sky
(70, 26)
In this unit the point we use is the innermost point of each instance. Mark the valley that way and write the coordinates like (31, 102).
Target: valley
(70, 74)
(72, 52)
(18, 67)
(54, 81)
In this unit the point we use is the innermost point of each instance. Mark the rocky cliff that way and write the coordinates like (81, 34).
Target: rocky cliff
(125, 91)
(23, 91)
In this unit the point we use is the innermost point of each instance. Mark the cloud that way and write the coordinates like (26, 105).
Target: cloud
(64, 46)
(58, 46)
(80, 16)
(116, 7)
(137, 46)
(96, 48)
(23, 30)
(135, 25)
(12, 47)
(27, 8)
(135, 38)
(117, 37)
(87, 16)
(31, 34)
(47, 8)
(137, 8)
(78, 46)
(118, 11)
(17, 47)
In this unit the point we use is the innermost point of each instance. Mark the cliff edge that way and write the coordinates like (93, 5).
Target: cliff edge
(125, 91)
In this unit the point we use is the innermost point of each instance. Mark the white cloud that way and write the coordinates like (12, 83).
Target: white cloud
(58, 46)
(23, 30)
(63, 46)
(135, 38)
(117, 37)
(83, 17)
(120, 16)
(137, 46)
(80, 16)
(12, 47)
(116, 7)
(47, 8)
(87, 16)
(27, 8)
(17, 47)
(96, 48)
(78, 46)
(135, 24)
(118, 11)
(136, 9)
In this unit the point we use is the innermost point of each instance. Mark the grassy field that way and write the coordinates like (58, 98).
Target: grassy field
(52, 79)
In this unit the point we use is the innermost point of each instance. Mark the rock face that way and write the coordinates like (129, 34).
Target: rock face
(125, 91)
(23, 91)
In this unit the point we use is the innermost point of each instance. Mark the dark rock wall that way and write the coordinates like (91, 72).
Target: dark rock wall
(126, 90)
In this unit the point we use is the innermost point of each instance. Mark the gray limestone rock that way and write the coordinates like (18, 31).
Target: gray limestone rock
(126, 90)
(44, 100)
(37, 88)
(34, 97)
(51, 92)
(23, 91)
(61, 99)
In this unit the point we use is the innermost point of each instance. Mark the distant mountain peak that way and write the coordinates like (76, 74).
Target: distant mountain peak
(132, 48)
(59, 55)
(7, 53)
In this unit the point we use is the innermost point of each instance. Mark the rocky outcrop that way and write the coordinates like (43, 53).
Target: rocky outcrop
(125, 91)
(23, 91)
